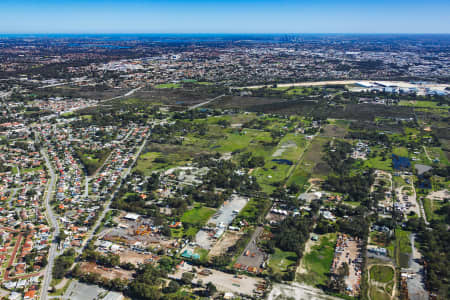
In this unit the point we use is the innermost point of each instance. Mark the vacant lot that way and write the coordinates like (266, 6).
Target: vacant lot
(402, 247)
(282, 160)
(332, 130)
(223, 281)
(198, 215)
(145, 162)
(136, 258)
(378, 163)
(109, 273)
(280, 261)
(381, 274)
(248, 140)
(227, 240)
(312, 163)
(318, 261)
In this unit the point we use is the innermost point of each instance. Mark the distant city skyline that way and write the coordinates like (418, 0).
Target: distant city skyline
(203, 16)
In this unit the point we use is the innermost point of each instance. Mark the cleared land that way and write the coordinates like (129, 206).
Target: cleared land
(227, 240)
(381, 274)
(198, 215)
(280, 261)
(317, 262)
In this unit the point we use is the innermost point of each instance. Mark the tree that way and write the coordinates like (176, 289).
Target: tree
(172, 287)
(140, 290)
(63, 263)
(187, 277)
(211, 288)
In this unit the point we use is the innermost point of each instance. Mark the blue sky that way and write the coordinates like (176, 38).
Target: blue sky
(203, 16)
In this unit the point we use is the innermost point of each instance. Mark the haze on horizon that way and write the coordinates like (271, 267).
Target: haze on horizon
(206, 16)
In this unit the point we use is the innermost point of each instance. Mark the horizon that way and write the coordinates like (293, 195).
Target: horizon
(50, 34)
(223, 17)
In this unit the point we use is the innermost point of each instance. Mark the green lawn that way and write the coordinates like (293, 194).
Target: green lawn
(198, 215)
(281, 260)
(248, 140)
(168, 86)
(400, 151)
(403, 242)
(318, 261)
(382, 274)
(378, 163)
(402, 247)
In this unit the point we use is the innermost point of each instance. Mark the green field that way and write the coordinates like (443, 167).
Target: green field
(157, 157)
(248, 140)
(382, 274)
(311, 164)
(402, 240)
(145, 163)
(427, 104)
(318, 261)
(168, 86)
(431, 206)
(378, 163)
(198, 215)
(281, 260)
(400, 151)
(402, 247)
(290, 148)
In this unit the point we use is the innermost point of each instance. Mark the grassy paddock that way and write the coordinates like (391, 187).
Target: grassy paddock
(318, 261)
(382, 274)
(281, 260)
(198, 215)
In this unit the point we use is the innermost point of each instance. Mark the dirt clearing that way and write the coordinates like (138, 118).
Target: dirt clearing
(228, 239)
(109, 273)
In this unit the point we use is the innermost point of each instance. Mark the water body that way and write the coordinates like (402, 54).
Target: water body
(400, 163)
(283, 162)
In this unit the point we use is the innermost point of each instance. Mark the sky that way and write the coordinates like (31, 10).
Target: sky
(233, 16)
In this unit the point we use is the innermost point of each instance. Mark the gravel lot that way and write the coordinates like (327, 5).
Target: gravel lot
(224, 216)
(416, 287)
(223, 281)
(298, 291)
(256, 256)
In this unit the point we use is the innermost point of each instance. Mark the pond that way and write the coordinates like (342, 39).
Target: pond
(283, 162)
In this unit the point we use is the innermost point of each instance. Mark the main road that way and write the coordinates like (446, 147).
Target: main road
(53, 223)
